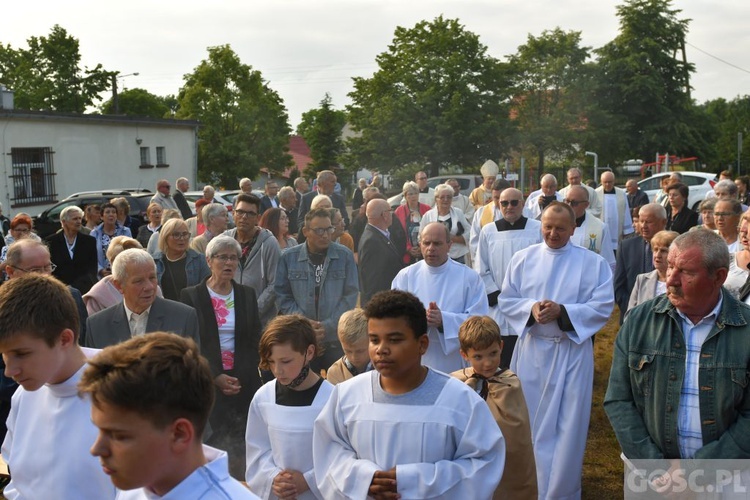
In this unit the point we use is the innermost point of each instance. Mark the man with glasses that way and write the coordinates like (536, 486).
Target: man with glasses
(379, 259)
(162, 196)
(590, 233)
(575, 178)
(727, 215)
(318, 279)
(260, 254)
(426, 193)
(498, 242)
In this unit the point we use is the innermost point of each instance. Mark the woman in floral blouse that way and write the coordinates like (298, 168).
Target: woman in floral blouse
(230, 330)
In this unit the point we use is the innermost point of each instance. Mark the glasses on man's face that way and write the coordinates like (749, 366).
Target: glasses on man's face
(574, 203)
(226, 258)
(49, 268)
(180, 236)
(244, 213)
(721, 215)
(512, 203)
(320, 231)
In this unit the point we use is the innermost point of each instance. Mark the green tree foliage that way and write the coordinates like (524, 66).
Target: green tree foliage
(437, 99)
(244, 125)
(139, 102)
(321, 129)
(644, 84)
(47, 75)
(722, 121)
(548, 72)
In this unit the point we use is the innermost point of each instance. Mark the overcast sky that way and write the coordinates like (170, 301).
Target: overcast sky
(305, 48)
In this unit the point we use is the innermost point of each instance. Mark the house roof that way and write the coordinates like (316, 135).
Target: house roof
(18, 114)
(300, 153)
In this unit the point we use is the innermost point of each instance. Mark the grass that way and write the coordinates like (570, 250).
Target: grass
(602, 467)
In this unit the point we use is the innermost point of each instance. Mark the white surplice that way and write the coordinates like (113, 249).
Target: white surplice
(452, 448)
(593, 235)
(458, 292)
(48, 443)
(476, 228)
(280, 437)
(497, 244)
(532, 209)
(556, 367)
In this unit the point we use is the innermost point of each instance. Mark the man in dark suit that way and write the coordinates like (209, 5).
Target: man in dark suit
(379, 260)
(183, 186)
(73, 252)
(141, 311)
(300, 188)
(288, 202)
(636, 197)
(326, 185)
(634, 255)
(269, 200)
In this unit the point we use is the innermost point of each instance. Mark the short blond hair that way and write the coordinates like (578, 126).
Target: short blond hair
(478, 332)
(352, 326)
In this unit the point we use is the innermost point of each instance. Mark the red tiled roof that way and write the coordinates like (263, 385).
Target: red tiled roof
(300, 152)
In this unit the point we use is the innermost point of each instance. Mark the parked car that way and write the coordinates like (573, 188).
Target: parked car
(224, 197)
(48, 222)
(698, 183)
(468, 184)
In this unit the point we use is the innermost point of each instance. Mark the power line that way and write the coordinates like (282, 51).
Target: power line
(717, 58)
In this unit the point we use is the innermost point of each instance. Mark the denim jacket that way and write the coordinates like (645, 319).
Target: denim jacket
(648, 367)
(295, 286)
(196, 267)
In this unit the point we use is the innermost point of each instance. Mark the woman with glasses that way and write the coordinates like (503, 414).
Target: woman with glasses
(177, 266)
(104, 232)
(20, 227)
(453, 218)
(229, 326)
(277, 221)
(410, 215)
(650, 285)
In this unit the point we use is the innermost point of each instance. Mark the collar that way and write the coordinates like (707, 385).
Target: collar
(128, 312)
(610, 192)
(730, 313)
(580, 220)
(384, 232)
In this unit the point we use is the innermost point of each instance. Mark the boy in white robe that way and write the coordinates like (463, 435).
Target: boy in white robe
(556, 295)
(49, 429)
(280, 423)
(151, 396)
(353, 337)
(404, 429)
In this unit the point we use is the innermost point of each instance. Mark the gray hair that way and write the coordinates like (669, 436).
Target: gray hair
(221, 243)
(708, 204)
(727, 185)
(576, 170)
(70, 211)
(167, 228)
(131, 257)
(170, 213)
(211, 211)
(443, 188)
(319, 199)
(244, 180)
(548, 178)
(714, 251)
(655, 209)
(736, 205)
(287, 192)
(298, 181)
(326, 175)
(208, 189)
(410, 187)
(181, 180)
(119, 244)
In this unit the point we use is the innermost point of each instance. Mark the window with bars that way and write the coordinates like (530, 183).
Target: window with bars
(161, 156)
(33, 177)
(146, 157)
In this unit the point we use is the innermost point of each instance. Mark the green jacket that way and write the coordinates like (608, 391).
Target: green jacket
(648, 367)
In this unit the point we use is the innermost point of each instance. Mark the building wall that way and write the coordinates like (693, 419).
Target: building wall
(92, 153)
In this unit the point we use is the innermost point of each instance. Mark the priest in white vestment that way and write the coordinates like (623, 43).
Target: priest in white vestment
(615, 209)
(450, 292)
(555, 296)
(539, 199)
(498, 242)
(591, 233)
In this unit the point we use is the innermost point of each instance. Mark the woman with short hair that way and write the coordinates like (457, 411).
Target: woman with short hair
(104, 233)
(410, 215)
(453, 218)
(154, 213)
(650, 285)
(177, 266)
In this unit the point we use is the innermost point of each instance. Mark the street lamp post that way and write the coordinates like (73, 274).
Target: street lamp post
(115, 95)
(596, 164)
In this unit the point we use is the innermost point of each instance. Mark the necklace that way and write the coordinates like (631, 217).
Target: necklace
(178, 258)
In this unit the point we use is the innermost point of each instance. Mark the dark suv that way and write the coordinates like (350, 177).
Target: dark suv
(48, 222)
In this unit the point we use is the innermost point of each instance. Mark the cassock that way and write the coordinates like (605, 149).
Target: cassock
(532, 209)
(556, 366)
(593, 235)
(448, 446)
(48, 444)
(498, 242)
(459, 293)
(480, 220)
(280, 437)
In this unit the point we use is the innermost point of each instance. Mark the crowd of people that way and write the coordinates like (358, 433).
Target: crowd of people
(439, 349)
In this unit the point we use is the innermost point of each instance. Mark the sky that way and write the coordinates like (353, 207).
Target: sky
(305, 48)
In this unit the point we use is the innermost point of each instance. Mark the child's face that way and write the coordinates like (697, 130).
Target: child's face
(132, 451)
(286, 363)
(395, 350)
(485, 362)
(32, 363)
(357, 353)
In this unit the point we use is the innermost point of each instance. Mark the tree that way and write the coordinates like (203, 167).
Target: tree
(437, 99)
(321, 129)
(644, 82)
(48, 76)
(244, 125)
(722, 121)
(139, 102)
(548, 106)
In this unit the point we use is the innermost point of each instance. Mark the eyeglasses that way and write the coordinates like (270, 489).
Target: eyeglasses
(244, 213)
(512, 203)
(723, 214)
(49, 268)
(180, 236)
(445, 197)
(22, 231)
(574, 203)
(226, 258)
(320, 231)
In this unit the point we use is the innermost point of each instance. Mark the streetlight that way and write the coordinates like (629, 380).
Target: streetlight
(115, 96)
(596, 165)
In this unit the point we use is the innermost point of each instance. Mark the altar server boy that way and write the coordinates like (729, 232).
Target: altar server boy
(352, 333)
(151, 397)
(49, 426)
(280, 423)
(482, 347)
(404, 430)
